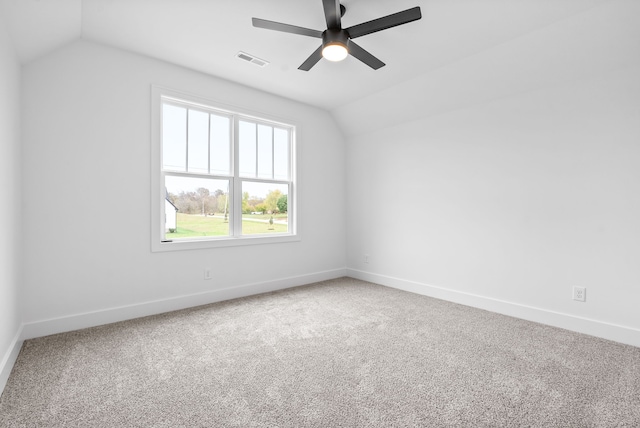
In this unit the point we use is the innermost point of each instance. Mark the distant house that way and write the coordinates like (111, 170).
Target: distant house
(170, 216)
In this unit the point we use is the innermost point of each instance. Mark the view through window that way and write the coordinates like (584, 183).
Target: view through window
(224, 175)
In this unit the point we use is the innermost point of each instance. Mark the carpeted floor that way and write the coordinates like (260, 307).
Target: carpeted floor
(341, 353)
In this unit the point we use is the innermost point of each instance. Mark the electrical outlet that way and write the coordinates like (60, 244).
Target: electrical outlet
(580, 294)
(207, 273)
(366, 258)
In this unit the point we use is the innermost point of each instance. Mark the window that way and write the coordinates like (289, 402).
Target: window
(220, 177)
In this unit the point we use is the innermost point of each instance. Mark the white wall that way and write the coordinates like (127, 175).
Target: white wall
(86, 136)
(506, 178)
(10, 214)
(508, 204)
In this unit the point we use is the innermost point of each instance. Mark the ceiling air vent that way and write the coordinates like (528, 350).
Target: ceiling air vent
(252, 59)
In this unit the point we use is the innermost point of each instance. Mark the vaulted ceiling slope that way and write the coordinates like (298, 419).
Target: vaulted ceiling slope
(460, 53)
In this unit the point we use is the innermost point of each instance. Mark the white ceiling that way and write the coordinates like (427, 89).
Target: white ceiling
(206, 35)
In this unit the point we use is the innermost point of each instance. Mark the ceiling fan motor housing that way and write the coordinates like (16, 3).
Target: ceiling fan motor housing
(335, 37)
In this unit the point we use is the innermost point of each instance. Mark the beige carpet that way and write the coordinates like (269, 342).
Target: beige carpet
(342, 353)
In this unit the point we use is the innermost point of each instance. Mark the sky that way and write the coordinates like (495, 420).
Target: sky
(263, 151)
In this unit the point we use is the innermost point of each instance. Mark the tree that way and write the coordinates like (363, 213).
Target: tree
(246, 208)
(187, 203)
(271, 201)
(221, 203)
(282, 204)
(203, 193)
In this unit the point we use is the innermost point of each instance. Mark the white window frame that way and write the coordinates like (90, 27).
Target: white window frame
(158, 94)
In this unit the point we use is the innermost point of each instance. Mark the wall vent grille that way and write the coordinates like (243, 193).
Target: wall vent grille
(252, 59)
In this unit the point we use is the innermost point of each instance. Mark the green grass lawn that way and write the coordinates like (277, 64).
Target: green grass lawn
(190, 226)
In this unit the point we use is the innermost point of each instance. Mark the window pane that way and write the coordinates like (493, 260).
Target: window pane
(247, 148)
(196, 207)
(220, 145)
(281, 154)
(265, 151)
(198, 146)
(264, 208)
(174, 138)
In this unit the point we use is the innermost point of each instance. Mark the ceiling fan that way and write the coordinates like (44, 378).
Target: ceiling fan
(337, 42)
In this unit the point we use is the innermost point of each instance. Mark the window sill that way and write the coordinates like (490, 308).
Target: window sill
(200, 244)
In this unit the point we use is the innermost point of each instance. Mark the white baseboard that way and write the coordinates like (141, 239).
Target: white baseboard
(91, 319)
(9, 359)
(617, 333)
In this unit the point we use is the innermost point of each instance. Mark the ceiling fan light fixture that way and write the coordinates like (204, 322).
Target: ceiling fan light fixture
(334, 44)
(335, 52)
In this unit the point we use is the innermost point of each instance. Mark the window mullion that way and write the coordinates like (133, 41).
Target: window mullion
(236, 185)
(209, 143)
(291, 157)
(186, 142)
(257, 152)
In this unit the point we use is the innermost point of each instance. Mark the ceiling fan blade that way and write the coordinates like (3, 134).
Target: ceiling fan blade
(286, 28)
(385, 22)
(332, 13)
(364, 56)
(312, 60)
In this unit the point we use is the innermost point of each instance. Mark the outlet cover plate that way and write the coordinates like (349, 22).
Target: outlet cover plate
(580, 294)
